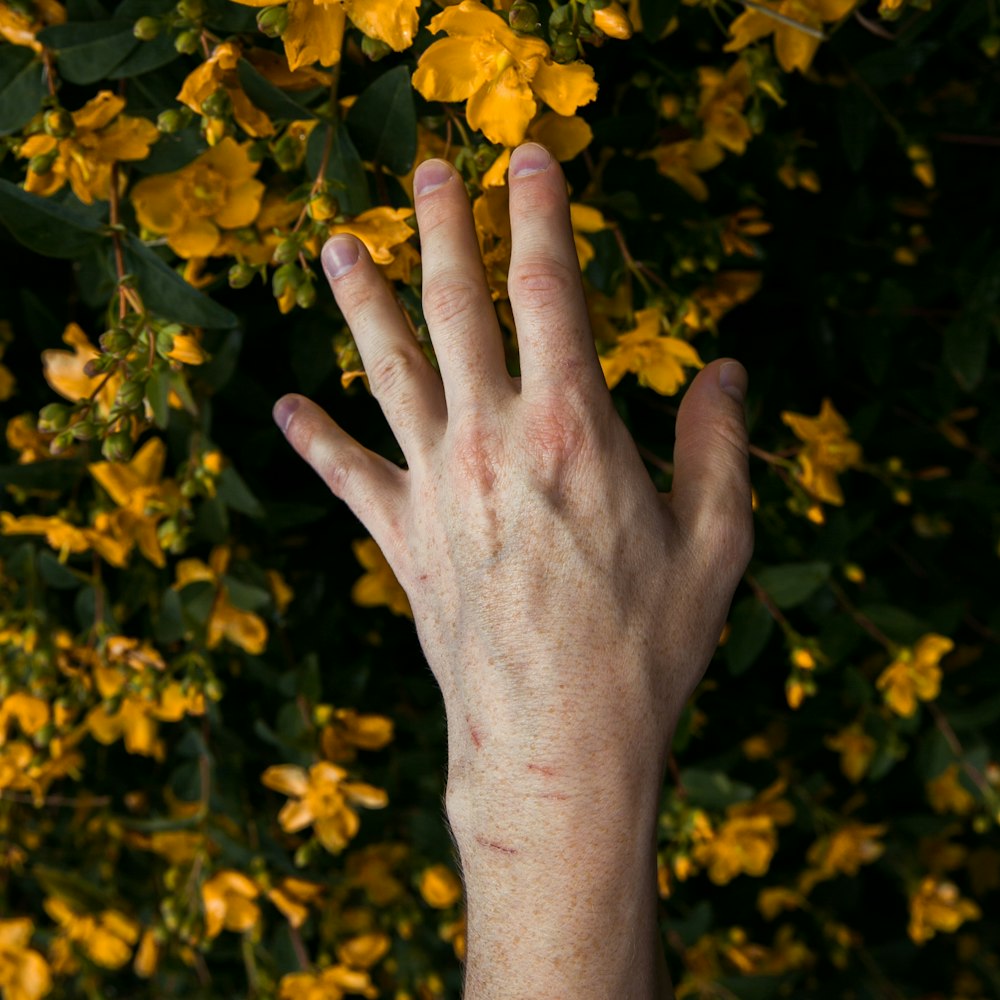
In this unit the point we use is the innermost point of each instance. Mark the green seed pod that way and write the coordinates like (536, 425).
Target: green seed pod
(146, 28)
(187, 42)
(523, 17)
(42, 163)
(374, 48)
(240, 275)
(58, 123)
(62, 442)
(131, 395)
(170, 121)
(84, 430)
(117, 447)
(53, 417)
(272, 21)
(217, 105)
(561, 19)
(305, 295)
(287, 153)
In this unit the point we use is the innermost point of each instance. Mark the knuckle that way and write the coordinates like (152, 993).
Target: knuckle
(447, 300)
(393, 373)
(542, 280)
(554, 433)
(475, 448)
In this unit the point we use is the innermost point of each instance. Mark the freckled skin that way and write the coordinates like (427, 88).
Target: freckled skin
(566, 609)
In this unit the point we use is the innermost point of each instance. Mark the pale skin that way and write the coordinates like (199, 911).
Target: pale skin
(566, 608)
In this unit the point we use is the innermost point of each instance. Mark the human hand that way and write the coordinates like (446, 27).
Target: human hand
(565, 607)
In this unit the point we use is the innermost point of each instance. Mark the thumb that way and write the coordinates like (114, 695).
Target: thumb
(711, 489)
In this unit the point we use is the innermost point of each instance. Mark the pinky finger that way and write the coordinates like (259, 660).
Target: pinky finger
(370, 485)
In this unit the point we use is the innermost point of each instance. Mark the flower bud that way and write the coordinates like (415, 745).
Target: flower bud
(272, 21)
(187, 42)
(286, 251)
(523, 17)
(53, 417)
(240, 275)
(117, 447)
(561, 19)
(613, 21)
(217, 104)
(287, 274)
(305, 295)
(287, 152)
(322, 207)
(564, 48)
(374, 48)
(84, 430)
(191, 10)
(58, 123)
(146, 28)
(171, 121)
(131, 395)
(42, 163)
(990, 46)
(98, 366)
(62, 442)
(117, 342)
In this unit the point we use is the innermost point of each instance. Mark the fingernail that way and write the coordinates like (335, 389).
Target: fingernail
(283, 411)
(430, 175)
(529, 159)
(733, 380)
(339, 255)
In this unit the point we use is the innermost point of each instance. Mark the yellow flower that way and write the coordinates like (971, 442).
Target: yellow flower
(19, 28)
(100, 137)
(67, 538)
(371, 869)
(828, 451)
(226, 621)
(364, 950)
(323, 799)
(914, 674)
(218, 72)
(856, 749)
(292, 896)
(499, 73)
(332, 983)
(64, 372)
(142, 497)
(946, 793)
(938, 906)
(683, 161)
(106, 938)
(228, 898)
(24, 973)
(776, 900)
(843, 852)
(378, 585)
(147, 955)
(380, 229)
(440, 887)
(793, 47)
(22, 769)
(747, 839)
(194, 205)
(720, 105)
(657, 360)
(29, 712)
(727, 290)
(613, 21)
(746, 222)
(346, 731)
(315, 31)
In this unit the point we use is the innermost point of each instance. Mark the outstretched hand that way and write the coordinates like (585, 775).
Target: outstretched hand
(565, 607)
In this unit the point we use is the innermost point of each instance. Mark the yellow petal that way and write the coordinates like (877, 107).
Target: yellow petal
(502, 109)
(315, 33)
(794, 49)
(564, 87)
(563, 136)
(288, 779)
(394, 22)
(157, 201)
(241, 206)
(194, 238)
(96, 113)
(450, 70)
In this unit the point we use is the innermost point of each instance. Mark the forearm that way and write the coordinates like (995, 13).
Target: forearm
(561, 896)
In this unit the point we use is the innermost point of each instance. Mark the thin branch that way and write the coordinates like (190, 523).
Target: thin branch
(785, 19)
(59, 801)
(874, 27)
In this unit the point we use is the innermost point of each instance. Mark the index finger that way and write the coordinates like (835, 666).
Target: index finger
(545, 286)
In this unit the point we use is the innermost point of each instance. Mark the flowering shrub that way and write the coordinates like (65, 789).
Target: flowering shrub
(221, 756)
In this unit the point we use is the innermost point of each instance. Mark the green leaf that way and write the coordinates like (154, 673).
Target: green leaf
(148, 56)
(88, 51)
(168, 622)
(858, 122)
(967, 338)
(46, 226)
(897, 624)
(985, 713)
(245, 595)
(171, 152)
(22, 87)
(656, 15)
(55, 475)
(158, 392)
(56, 575)
(751, 625)
(167, 294)
(383, 121)
(793, 583)
(269, 98)
(234, 493)
(933, 755)
(343, 167)
(713, 789)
